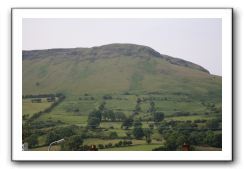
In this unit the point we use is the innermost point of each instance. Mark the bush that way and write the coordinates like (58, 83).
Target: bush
(197, 138)
(85, 148)
(128, 122)
(110, 145)
(123, 143)
(138, 133)
(158, 116)
(113, 135)
(200, 121)
(212, 124)
(100, 146)
(107, 97)
(32, 140)
(213, 139)
(129, 142)
(116, 145)
(161, 148)
(120, 143)
(73, 143)
(59, 133)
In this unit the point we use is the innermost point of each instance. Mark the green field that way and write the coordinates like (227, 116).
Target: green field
(30, 108)
(119, 92)
(75, 111)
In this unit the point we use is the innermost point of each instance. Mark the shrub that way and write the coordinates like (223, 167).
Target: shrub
(212, 124)
(107, 97)
(158, 116)
(213, 139)
(85, 148)
(32, 140)
(73, 143)
(113, 135)
(110, 145)
(120, 143)
(161, 148)
(100, 146)
(138, 133)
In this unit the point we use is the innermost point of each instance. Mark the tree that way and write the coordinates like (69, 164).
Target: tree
(213, 139)
(148, 133)
(73, 143)
(212, 124)
(127, 123)
(128, 135)
(66, 131)
(26, 130)
(93, 122)
(181, 139)
(102, 106)
(120, 116)
(32, 140)
(170, 143)
(113, 135)
(111, 115)
(137, 108)
(151, 126)
(158, 116)
(152, 107)
(138, 133)
(51, 137)
(138, 101)
(100, 146)
(95, 114)
(94, 119)
(105, 115)
(163, 127)
(197, 138)
(137, 123)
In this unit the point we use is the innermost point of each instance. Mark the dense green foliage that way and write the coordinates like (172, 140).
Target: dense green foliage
(73, 143)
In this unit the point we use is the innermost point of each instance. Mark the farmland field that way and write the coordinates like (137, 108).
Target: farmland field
(75, 111)
(30, 108)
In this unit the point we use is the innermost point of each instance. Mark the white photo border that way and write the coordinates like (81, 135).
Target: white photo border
(17, 15)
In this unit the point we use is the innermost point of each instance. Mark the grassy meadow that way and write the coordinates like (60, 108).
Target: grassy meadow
(75, 109)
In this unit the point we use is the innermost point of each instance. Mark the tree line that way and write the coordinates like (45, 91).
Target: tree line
(41, 95)
(47, 110)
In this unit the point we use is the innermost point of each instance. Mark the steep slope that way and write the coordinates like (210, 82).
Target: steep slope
(113, 68)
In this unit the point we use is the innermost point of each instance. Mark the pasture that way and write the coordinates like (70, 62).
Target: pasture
(74, 110)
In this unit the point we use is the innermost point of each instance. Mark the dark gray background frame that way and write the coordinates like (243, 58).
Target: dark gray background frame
(128, 161)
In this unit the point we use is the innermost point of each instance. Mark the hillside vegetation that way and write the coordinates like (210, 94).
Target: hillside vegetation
(119, 97)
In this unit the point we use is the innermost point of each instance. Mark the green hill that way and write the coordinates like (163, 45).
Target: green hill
(120, 82)
(114, 68)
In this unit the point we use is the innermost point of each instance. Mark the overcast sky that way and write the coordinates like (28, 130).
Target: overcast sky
(195, 40)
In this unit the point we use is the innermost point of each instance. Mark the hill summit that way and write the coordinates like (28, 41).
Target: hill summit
(109, 51)
(112, 68)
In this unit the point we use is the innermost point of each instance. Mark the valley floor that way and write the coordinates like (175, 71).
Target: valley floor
(155, 121)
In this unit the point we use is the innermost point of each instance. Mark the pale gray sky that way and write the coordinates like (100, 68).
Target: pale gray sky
(195, 40)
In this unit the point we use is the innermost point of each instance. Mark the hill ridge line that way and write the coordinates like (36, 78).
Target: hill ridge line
(109, 51)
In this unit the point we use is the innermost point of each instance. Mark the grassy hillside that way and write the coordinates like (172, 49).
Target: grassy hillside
(118, 75)
(138, 69)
